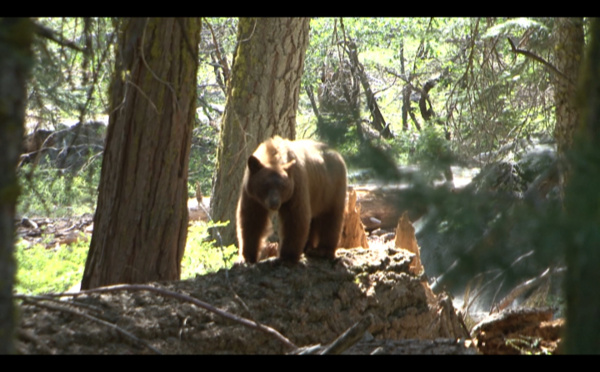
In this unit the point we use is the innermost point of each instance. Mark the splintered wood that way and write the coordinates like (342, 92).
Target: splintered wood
(405, 239)
(353, 232)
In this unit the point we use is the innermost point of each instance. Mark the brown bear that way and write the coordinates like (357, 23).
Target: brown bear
(305, 182)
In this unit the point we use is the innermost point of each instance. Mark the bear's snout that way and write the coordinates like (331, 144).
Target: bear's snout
(273, 201)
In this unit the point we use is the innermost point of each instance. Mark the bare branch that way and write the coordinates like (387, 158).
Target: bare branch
(49, 34)
(342, 343)
(221, 61)
(537, 58)
(525, 286)
(350, 337)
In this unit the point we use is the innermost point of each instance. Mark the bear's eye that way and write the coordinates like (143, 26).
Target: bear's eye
(276, 180)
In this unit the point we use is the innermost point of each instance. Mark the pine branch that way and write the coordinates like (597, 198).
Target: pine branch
(49, 34)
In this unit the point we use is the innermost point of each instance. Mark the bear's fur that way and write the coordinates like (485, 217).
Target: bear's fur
(305, 182)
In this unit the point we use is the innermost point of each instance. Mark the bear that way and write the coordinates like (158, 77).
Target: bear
(304, 181)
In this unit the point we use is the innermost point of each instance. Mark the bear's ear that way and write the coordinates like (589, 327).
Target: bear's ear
(254, 164)
(286, 167)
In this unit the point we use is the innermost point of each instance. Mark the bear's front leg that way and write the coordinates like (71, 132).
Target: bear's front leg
(294, 224)
(252, 222)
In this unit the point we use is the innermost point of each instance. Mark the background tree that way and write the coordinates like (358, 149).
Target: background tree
(73, 61)
(15, 47)
(141, 220)
(70, 75)
(262, 100)
(582, 203)
(568, 33)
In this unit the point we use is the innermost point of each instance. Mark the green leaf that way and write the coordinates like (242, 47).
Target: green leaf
(511, 25)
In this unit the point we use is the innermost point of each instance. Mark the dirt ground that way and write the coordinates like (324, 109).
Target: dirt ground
(311, 303)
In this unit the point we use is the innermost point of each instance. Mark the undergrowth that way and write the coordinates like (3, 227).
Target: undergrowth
(48, 192)
(201, 255)
(42, 270)
(57, 269)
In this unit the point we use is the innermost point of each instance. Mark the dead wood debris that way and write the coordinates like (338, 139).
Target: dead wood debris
(353, 232)
(405, 239)
(342, 343)
(522, 331)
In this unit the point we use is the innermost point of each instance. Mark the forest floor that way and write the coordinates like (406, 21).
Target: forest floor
(308, 304)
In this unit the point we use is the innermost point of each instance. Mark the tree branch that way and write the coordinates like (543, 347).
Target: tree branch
(49, 34)
(537, 58)
(221, 61)
(345, 341)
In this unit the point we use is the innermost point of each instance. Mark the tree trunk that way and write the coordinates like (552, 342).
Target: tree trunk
(378, 121)
(262, 101)
(141, 220)
(582, 203)
(569, 45)
(15, 48)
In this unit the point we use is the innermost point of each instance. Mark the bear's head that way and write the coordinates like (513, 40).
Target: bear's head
(271, 186)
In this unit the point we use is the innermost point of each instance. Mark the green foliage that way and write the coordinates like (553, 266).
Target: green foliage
(68, 83)
(432, 147)
(201, 255)
(433, 152)
(514, 25)
(495, 95)
(202, 159)
(42, 270)
(217, 46)
(51, 193)
(484, 94)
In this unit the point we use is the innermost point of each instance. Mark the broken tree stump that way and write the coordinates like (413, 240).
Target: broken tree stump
(353, 231)
(405, 239)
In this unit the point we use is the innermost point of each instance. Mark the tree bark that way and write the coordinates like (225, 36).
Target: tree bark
(569, 45)
(141, 220)
(262, 101)
(15, 48)
(582, 203)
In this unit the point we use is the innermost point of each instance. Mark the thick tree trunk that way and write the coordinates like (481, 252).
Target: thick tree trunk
(262, 101)
(569, 45)
(582, 203)
(141, 220)
(15, 51)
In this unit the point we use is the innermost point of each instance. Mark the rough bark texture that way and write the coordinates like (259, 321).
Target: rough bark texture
(582, 203)
(15, 51)
(569, 45)
(140, 225)
(262, 100)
